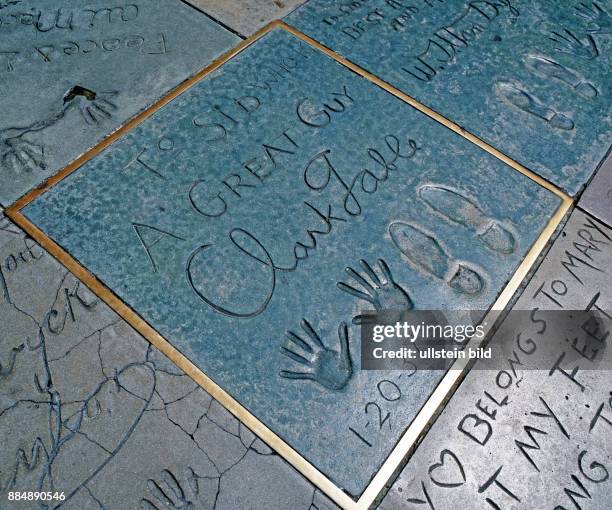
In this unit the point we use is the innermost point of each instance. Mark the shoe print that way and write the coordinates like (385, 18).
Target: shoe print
(529, 104)
(460, 209)
(548, 68)
(428, 255)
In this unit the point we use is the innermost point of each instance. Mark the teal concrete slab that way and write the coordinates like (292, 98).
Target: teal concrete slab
(531, 78)
(72, 72)
(254, 218)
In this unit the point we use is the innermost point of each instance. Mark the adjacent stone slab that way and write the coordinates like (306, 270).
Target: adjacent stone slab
(72, 72)
(525, 438)
(532, 78)
(597, 198)
(247, 16)
(229, 218)
(89, 408)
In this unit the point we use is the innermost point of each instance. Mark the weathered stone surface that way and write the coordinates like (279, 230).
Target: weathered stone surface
(547, 436)
(532, 78)
(89, 408)
(597, 198)
(246, 16)
(229, 218)
(72, 72)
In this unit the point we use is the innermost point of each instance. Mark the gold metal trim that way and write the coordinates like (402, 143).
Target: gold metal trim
(426, 415)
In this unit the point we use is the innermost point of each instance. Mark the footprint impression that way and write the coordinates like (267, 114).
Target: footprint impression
(521, 99)
(424, 251)
(548, 68)
(460, 209)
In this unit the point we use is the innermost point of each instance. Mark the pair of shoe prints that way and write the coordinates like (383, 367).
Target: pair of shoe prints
(545, 67)
(427, 253)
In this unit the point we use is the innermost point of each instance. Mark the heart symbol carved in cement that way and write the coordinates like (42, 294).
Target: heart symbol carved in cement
(450, 474)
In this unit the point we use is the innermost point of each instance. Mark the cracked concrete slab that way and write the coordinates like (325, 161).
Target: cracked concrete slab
(89, 408)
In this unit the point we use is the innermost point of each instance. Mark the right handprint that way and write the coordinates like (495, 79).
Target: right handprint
(383, 293)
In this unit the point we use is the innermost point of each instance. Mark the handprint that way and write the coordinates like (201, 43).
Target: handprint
(382, 294)
(331, 369)
(170, 493)
(19, 155)
(94, 107)
(569, 43)
(599, 21)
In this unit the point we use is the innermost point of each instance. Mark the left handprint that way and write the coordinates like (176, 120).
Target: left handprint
(20, 155)
(328, 368)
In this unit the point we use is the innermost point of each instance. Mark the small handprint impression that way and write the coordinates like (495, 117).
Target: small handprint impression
(94, 107)
(21, 156)
(326, 367)
(599, 20)
(382, 293)
(568, 43)
(170, 493)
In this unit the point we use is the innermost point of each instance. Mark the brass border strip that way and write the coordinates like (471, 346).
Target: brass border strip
(426, 415)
